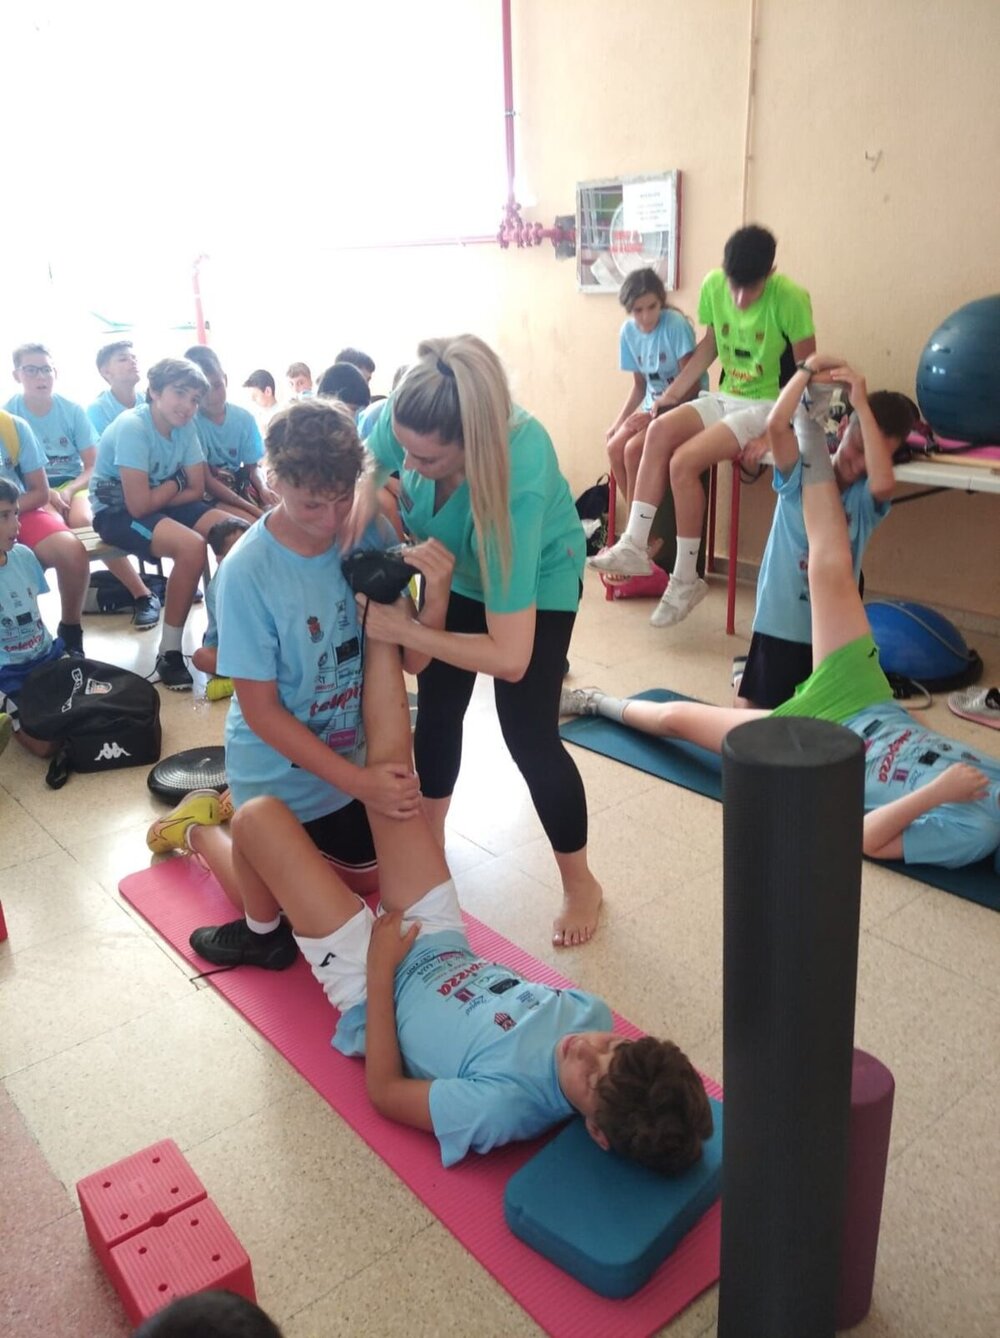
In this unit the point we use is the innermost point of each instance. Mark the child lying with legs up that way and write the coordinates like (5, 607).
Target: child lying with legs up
(928, 799)
(454, 1044)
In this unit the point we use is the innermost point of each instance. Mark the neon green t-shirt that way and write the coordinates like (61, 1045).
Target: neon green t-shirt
(547, 539)
(751, 342)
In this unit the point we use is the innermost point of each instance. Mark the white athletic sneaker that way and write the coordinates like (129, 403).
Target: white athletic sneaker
(677, 602)
(579, 701)
(624, 559)
(979, 704)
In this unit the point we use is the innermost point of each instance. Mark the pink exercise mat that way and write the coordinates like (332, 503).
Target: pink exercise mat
(289, 1008)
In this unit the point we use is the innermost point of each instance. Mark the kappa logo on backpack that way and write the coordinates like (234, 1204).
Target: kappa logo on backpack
(105, 716)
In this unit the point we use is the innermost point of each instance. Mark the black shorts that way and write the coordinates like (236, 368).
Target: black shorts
(774, 669)
(135, 534)
(344, 836)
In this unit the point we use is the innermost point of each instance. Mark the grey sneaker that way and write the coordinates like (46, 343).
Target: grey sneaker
(236, 944)
(146, 612)
(624, 559)
(678, 601)
(580, 701)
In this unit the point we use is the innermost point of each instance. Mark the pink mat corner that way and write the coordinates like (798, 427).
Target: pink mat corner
(291, 1011)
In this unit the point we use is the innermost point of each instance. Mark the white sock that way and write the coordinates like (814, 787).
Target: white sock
(262, 926)
(171, 638)
(640, 522)
(685, 570)
(817, 466)
(612, 708)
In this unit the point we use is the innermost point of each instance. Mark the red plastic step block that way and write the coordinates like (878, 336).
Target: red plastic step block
(3, 925)
(135, 1193)
(192, 1251)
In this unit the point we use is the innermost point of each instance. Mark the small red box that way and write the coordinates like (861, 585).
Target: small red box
(135, 1193)
(192, 1251)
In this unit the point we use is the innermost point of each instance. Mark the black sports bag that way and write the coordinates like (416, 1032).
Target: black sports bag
(107, 717)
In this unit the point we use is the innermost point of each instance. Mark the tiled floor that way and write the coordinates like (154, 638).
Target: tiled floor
(105, 1046)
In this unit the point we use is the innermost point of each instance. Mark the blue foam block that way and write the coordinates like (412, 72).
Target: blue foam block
(606, 1221)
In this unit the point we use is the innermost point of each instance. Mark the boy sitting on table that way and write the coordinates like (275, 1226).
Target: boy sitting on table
(455, 1045)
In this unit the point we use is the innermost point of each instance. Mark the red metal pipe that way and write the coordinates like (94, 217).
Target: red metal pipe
(508, 99)
(199, 311)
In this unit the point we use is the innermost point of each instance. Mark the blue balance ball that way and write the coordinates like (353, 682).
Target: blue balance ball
(958, 387)
(920, 643)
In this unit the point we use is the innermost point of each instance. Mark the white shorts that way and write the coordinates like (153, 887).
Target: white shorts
(746, 419)
(340, 960)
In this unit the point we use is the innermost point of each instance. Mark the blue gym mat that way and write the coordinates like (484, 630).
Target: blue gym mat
(697, 769)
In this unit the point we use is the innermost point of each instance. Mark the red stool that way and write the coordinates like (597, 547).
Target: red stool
(872, 1090)
(3, 925)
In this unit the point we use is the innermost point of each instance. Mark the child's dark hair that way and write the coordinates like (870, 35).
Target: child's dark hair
(221, 531)
(314, 444)
(8, 493)
(260, 380)
(895, 413)
(209, 1315)
(206, 358)
(344, 382)
(357, 359)
(105, 354)
(23, 350)
(640, 283)
(180, 372)
(652, 1106)
(748, 256)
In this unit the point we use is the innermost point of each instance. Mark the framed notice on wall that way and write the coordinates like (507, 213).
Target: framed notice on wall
(627, 223)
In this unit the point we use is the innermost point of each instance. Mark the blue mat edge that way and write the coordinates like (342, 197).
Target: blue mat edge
(700, 771)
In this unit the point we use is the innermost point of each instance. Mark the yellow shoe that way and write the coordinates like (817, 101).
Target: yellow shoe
(199, 808)
(7, 731)
(218, 688)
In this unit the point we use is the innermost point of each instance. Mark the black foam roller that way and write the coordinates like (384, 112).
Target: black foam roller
(792, 823)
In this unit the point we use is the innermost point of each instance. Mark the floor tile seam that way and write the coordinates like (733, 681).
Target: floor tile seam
(973, 981)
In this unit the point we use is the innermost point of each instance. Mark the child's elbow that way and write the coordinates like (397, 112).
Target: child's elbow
(515, 670)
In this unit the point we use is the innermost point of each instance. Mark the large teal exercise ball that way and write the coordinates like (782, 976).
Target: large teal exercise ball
(958, 377)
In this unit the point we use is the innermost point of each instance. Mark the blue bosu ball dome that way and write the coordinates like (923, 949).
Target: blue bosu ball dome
(919, 643)
(958, 385)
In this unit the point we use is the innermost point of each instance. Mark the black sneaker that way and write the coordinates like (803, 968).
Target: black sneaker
(236, 944)
(146, 612)
(172, 671)
(71, 635)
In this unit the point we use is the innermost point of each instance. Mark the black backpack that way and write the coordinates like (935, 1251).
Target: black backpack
(105, 717)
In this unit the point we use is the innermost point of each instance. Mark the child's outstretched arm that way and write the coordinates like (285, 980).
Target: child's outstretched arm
(686, 381)
(405, 1100)
(877, 446)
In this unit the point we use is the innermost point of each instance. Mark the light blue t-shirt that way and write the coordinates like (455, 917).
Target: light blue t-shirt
(656, 355)
(902, 756)
(211, 637)
(783, 607)
(369, 417)
(62, 433)
(23, 635)
(30, 455)
(485, 1036)
(233, 442)
(106, 408)
(291, 620)
(547, 539)
(133, 441)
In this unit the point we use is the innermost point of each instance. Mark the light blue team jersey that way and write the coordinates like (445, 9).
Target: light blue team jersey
(291, 620)
(30, 456)
(369, 417)
(63, 433)
(783, 607)
(211, 637)
(133, 442)
(106, 408)
(23, 635)
(902, 756)
(656, 355)
(233, 442)
(547, 539)
(486, 1038)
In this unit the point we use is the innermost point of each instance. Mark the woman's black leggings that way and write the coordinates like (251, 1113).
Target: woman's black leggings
(529, 719)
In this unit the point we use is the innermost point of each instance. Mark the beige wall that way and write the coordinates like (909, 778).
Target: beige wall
(886, 247)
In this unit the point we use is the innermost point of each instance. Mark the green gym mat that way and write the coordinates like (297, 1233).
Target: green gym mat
(697, 769)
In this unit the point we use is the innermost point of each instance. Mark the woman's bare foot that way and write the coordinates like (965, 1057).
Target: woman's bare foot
(581, 910)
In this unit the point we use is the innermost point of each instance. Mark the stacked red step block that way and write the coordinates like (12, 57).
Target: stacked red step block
(157, 1233)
